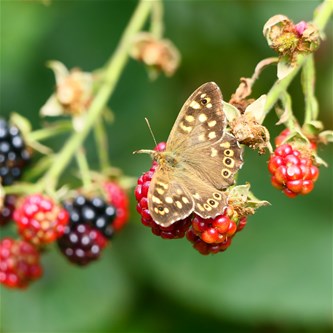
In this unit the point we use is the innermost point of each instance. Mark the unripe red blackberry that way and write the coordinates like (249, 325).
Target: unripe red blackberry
(6, 212)
(39, 219)
(118, 197)
(81, 243)
(285, 133)
(292, 172)
(93, 211)
(14, 154)
(19, 264)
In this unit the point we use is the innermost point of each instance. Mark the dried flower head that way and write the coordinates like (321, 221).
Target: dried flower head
(73, 93)
(160, 54)
(290, 39)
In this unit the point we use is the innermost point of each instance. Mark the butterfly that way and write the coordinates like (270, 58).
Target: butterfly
(200, 161)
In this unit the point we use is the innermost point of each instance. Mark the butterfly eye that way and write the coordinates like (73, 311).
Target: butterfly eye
(203, 101)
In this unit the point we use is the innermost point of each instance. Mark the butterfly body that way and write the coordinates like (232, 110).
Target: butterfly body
(200, 161)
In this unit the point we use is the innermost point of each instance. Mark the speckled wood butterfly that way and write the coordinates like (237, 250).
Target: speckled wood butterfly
(200, 161)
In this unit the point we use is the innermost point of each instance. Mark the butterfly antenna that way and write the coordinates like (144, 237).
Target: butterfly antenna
(147, 151)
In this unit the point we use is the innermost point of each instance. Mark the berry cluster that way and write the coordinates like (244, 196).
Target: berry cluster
(40, 221)
(206, 235)
(14, 155)
(93, 221)
(292, 172)
(19, 264)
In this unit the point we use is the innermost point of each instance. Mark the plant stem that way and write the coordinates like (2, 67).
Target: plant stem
(112, 73)
(321, 17)
(101, 144)
(83, 167)
(50, 131)
(308, 85)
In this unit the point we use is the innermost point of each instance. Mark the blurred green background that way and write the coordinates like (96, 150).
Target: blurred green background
(276, 276)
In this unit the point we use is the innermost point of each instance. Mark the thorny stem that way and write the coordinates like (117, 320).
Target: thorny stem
(112, 73)
(321, 17)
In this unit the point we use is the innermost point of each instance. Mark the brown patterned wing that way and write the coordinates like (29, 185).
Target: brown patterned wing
(217, 164)
(168, 199)
(200, 121)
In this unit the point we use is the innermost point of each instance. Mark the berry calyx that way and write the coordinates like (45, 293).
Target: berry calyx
(292, 171)
(19, 264)
(39, 219)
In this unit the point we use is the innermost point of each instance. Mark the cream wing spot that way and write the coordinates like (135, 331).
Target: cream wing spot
(156, 199)
(185, 200)
(185, 128)
(200, 207)
(213, 152)
(160, 190)
(212, 123)
(179, 204)
(196, 196)
(195, 105)
(211, 135)
(189, 118)
(168, 200)
(225, 144)
(209, 106)
(203, 95)
(202, 117)
(201, 137)
(179, 191)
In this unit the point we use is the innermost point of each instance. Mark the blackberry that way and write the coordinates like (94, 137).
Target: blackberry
(95, 212)
(81, 243)
(6, 212)
(14, 155)
(19, 263)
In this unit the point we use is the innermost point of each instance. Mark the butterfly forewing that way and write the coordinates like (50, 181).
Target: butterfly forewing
(201, 120)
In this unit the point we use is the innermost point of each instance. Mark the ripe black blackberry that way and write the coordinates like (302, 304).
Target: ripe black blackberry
(14, 154)
(81, 243)
(89, 228)
(96, 212)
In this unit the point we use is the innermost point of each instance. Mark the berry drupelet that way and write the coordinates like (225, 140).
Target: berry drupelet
(14, 154)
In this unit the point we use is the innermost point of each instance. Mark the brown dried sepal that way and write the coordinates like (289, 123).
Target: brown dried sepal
(250, 133)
